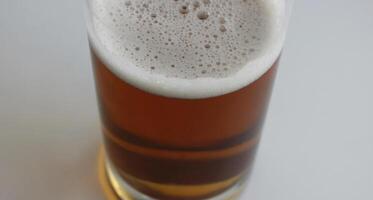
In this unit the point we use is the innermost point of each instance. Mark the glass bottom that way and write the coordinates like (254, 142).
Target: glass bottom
(115, 188)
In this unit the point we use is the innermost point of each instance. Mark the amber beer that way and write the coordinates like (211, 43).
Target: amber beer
(161, 145)
(183, 88)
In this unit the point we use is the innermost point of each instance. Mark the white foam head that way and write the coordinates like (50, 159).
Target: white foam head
(188, 48)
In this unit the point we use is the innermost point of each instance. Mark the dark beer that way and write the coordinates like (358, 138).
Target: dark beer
(183, 88)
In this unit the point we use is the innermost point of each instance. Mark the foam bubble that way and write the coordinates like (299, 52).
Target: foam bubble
(202, 15)
(184, 10)
(196, 4)
(222, 29)
(186, 42)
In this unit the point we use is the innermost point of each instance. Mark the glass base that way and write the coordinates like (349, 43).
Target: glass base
(115, 188)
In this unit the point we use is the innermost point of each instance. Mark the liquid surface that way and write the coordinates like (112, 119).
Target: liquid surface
(201, 47)
(187, 39)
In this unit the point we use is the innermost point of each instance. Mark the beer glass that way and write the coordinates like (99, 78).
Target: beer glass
(183, 88)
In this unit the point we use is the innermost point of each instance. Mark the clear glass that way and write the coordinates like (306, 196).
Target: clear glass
(182, 137)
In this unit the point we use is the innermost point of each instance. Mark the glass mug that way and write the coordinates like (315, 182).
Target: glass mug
(183, 88)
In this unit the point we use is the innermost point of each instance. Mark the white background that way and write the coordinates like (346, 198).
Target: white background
(318, 140)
